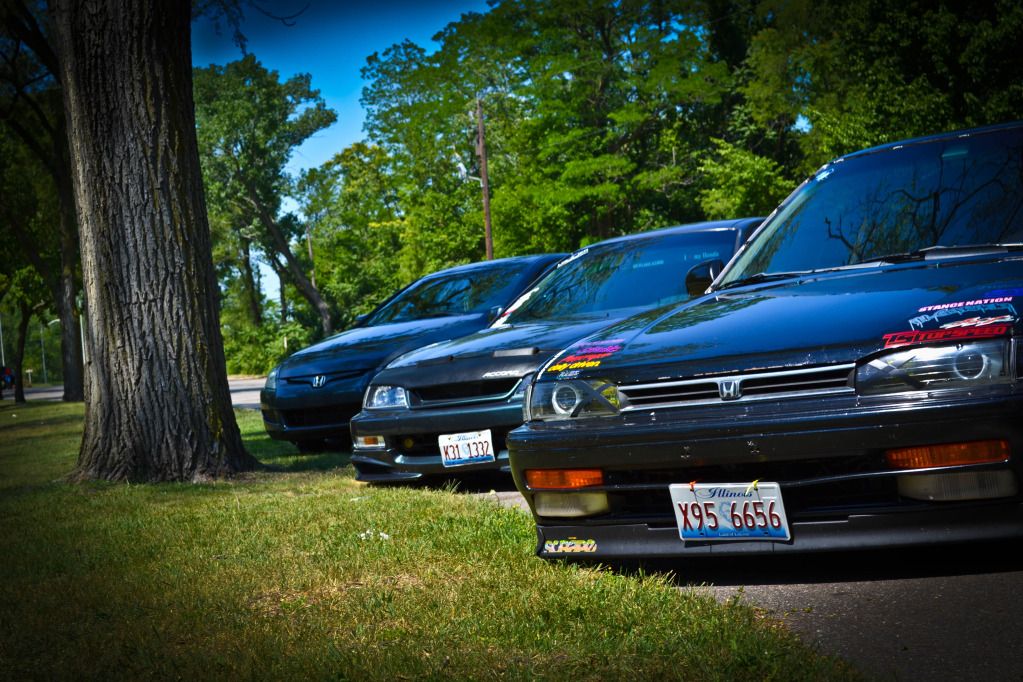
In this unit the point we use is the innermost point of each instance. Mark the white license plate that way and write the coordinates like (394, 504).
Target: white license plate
(471, 447)
(729, 511)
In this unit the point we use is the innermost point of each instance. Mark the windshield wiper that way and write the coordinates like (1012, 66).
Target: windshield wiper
(762, 277)
(932, 252)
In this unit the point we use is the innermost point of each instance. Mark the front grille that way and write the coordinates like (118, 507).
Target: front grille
(311, 379)
(796, 382)
(491, 389)
(320, 416)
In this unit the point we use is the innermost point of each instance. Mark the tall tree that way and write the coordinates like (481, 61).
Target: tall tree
(30, 105)
(249, 125)
(157, 400)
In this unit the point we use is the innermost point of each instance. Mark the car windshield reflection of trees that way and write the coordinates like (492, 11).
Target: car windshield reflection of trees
(624, 275)
(956, 193)
(463, 294)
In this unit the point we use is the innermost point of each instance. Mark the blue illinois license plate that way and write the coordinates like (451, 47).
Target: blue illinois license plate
(729, 511)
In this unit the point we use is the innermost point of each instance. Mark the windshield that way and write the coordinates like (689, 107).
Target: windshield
(463, 293)
(625, 274)
(953, 192)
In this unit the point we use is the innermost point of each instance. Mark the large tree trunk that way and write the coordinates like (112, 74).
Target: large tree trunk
(19, 351)
(157, 405)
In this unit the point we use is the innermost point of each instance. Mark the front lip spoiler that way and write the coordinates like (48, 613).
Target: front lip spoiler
(989, 520)
(418, 467)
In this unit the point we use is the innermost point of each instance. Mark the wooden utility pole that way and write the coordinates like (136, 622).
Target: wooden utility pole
(481, 151)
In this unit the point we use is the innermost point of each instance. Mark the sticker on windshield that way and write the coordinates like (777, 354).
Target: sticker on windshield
(907, 338)
(965, 315)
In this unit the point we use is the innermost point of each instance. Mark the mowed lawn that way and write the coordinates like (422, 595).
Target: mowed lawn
(305, 573)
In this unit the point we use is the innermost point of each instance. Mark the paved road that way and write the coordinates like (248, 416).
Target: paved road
(945, 614)
(244, 392)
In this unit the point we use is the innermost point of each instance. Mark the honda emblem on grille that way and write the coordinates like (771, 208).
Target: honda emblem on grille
(729, 389)
(319, 380)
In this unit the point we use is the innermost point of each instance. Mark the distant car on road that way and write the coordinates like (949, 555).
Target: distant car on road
(311, 396)
(444, 410)
(850, 381)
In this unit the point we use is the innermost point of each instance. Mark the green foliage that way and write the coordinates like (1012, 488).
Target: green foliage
(739, 182)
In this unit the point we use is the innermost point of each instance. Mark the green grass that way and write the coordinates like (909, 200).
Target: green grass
(302, 572)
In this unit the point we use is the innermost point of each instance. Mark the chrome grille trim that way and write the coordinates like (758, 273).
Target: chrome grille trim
(794, 383)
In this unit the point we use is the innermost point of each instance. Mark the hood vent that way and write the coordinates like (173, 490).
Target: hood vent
(833, 379)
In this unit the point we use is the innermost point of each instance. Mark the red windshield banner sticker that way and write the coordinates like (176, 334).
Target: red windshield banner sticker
(907, 338)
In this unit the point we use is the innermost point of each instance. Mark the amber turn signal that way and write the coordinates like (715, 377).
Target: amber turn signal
(561, 479)
(950, 454)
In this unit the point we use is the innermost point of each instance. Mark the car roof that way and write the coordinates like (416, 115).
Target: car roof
(731, 223)
(968, 132)
(486, 264)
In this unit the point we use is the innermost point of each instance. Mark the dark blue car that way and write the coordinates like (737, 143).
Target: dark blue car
(311, 396)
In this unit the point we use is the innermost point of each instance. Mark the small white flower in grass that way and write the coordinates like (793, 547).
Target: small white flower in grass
(370, 534)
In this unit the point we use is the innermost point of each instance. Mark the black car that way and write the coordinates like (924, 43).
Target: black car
(445, 409)
(311, 396)
(851, 380)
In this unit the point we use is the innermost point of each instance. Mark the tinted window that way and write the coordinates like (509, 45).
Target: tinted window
(464, 293)
(951, 193)
(626, 274)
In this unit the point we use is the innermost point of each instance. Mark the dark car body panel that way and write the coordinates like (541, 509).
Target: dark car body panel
(499, 356)
(759, 382)
(299, 411)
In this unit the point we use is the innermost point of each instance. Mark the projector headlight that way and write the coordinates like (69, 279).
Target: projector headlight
(574, 399)
(928, 368)
(385, 397)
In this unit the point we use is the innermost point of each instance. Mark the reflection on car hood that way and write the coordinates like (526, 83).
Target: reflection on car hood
(366, 348)
(505, 351)
(544, 335)
(823, 319)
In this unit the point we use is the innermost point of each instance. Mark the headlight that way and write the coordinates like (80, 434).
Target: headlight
(928, 368)
(381, 397)
(574, 399)
(271, 380)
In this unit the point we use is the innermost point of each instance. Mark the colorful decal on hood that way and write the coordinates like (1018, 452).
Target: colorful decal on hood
(586, 355)
(947, 315)
(569, 546)
(913, 336)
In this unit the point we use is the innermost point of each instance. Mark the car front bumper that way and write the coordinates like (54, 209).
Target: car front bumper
(827, 454)
(299, 412)
(411, 449)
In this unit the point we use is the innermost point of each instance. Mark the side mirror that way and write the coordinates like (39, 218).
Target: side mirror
(359, 319)
(701, 275)
(494, 313)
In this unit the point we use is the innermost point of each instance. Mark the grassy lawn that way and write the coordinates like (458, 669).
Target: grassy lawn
(305, 573)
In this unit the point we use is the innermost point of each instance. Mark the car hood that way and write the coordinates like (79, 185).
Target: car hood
(366, 348)
(827, 318)
(495, 353)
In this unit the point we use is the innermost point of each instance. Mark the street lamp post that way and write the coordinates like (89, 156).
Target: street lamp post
(42, 346)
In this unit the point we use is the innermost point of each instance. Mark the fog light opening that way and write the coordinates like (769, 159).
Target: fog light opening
(562, 479)
(949, 454)
(369, 442)
(954, 486)
(570, 505)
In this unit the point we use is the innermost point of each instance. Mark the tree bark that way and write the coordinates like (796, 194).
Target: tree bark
(252, 292)
(19, 351)
(157, 405)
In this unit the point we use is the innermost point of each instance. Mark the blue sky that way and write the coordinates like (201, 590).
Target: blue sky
(331, 41)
